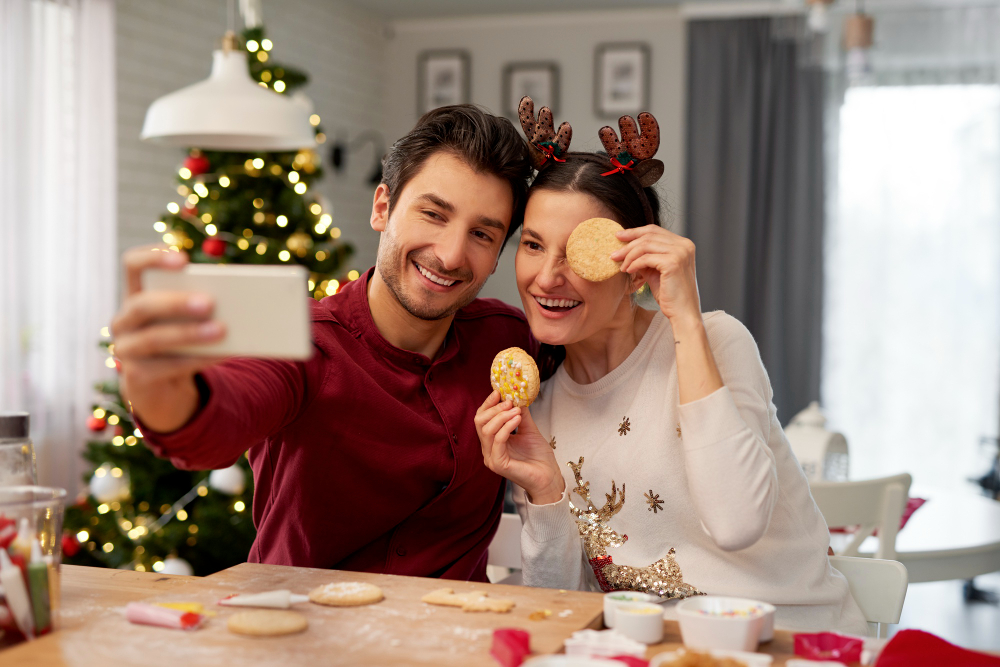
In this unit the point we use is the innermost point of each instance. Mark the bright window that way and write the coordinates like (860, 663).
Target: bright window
(911, 351)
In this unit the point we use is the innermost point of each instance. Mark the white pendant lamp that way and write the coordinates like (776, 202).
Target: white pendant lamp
(228, 112)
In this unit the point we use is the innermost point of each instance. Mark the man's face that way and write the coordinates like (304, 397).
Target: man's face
(441, 241)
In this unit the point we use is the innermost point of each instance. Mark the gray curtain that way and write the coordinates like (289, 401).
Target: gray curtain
(754, 194)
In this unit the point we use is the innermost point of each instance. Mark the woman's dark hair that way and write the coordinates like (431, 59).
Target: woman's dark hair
(487, 143)
(619, 193)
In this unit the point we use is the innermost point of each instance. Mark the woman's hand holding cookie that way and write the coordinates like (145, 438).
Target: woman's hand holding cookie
(665, 261)
(524, 458)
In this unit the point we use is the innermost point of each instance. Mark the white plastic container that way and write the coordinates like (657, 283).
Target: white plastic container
(641, 621)
(611, 600)
(715, 622)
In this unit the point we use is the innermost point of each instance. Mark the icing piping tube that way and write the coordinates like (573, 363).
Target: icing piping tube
(282, 599)
(38, 583)
(17, 595)
(148, 614)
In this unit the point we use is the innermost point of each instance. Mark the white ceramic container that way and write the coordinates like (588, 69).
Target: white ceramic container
(611, 600)
(641, 621)
(715, 622)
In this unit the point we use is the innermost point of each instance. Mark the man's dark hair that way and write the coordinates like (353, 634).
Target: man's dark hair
(487, 143)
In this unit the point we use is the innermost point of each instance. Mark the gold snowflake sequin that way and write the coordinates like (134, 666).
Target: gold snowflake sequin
(552, 442)
(678, 430)
(654, 502)
(624, 427)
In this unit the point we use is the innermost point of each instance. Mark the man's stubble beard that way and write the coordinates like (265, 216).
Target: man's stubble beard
(391, 269)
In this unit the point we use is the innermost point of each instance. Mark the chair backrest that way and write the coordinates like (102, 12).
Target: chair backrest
(878, 586)
(505, 549)
(871, 504)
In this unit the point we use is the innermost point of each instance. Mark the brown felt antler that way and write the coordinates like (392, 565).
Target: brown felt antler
(635, 150)
(544, 141)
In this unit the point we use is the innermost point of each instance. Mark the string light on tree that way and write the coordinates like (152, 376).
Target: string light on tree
(140, 512)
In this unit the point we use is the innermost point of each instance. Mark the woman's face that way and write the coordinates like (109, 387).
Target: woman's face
(563, 308)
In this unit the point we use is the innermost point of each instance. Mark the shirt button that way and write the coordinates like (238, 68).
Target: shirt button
(400, 550)
(454, 437)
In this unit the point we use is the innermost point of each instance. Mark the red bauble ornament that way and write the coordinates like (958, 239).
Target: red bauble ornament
(197, 164)
(190, 210)
(213, 246)
(70, 545)
(96, 424)
(118, 366)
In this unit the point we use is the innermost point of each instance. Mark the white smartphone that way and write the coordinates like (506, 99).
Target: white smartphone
(265, 308)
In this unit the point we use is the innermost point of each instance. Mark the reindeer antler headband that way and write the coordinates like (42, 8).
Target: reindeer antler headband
(544, 143)
(634, 152)
(631, 156)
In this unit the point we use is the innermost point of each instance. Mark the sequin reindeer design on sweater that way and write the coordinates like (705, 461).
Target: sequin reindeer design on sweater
(662, 578)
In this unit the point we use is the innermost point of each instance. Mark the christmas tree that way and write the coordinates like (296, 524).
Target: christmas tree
(141, 512)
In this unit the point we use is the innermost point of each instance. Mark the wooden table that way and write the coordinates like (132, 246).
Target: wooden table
(401, 630)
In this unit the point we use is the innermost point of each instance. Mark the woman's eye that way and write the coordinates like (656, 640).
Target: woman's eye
(531, 245)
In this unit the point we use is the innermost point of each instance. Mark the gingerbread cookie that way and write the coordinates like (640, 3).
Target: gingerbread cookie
(515, 376)
(267, 623)
(589, 249)
(470, 602)
(346, 594)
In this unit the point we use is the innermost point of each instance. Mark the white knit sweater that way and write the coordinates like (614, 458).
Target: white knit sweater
(734, 502)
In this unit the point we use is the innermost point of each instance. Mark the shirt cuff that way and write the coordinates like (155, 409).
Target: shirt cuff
(552, 521)
(710, 420)
(176, 445)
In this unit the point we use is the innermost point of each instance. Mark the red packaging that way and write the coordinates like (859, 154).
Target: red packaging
(510, 646)
(829, 646)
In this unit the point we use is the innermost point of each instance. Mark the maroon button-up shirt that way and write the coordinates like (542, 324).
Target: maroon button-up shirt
(366, 456)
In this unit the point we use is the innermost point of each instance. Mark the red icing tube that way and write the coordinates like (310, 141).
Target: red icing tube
(148, 614)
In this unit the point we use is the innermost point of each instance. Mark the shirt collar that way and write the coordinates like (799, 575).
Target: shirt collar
(361, 315)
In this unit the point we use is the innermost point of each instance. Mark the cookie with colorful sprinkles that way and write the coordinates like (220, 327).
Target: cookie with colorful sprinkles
(514, 376)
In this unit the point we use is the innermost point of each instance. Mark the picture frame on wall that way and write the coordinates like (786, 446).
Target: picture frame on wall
(540, 80)
(621, 79)
(442, 79)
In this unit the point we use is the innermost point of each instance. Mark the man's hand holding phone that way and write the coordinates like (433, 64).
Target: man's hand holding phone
(148, 330)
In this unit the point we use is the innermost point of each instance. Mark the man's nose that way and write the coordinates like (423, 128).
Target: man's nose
(451, 249)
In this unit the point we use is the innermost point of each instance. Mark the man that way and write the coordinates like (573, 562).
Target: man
(366, 456)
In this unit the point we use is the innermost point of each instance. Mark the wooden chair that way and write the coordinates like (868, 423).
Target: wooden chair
(879, 588)
(871, 504)
(505, 551)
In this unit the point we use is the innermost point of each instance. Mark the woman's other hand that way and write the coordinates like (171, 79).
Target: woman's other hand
(524, 458)
(664, 261)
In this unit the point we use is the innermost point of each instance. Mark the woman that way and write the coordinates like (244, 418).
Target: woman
(663, 416)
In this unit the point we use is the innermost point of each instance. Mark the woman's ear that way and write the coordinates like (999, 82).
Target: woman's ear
(635, 283)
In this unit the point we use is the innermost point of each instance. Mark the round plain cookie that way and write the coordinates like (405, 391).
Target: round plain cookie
(515, 376)
(589, 249)
(267, 623)
(346, 594)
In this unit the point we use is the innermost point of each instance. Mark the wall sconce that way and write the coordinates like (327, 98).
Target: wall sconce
(342, 147)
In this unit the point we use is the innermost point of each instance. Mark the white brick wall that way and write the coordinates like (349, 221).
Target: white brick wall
(164, 45)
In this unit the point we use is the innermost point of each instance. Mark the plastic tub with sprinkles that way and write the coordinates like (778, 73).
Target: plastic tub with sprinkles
(723, 622)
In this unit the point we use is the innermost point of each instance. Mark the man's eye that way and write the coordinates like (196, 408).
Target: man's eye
(484, 236)
(433, 214)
